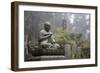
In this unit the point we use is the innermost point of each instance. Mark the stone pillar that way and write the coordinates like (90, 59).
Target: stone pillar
(67, 51)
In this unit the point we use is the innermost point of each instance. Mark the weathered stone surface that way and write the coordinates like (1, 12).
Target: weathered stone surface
(53, 57)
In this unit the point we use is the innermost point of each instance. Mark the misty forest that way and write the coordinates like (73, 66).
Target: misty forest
(70, 30)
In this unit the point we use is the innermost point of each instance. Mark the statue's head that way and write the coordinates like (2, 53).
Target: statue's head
(47, 26)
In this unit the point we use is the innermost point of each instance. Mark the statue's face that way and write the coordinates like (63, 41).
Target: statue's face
(47, 27)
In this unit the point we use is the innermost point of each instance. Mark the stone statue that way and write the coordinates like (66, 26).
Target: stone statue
(46, 37)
